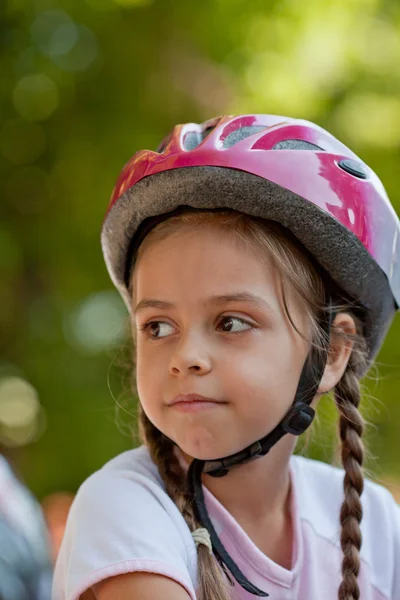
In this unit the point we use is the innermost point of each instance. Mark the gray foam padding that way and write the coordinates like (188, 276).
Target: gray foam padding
(337, 250)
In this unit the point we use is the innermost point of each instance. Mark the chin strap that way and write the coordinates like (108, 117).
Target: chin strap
(201, 514)
(296, 421)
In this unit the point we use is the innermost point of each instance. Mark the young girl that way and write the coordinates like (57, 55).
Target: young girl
(259, 259)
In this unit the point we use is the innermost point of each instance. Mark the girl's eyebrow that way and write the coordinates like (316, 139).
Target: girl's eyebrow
(211, 301)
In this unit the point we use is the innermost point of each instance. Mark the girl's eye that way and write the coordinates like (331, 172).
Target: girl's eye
(151, 326)
(148, 327)
(229, 320)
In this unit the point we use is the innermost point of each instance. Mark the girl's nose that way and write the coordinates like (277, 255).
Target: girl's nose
(190, 356)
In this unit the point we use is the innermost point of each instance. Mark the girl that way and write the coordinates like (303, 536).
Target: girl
(259, 260)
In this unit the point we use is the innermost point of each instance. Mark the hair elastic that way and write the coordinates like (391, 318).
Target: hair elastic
(202, 536)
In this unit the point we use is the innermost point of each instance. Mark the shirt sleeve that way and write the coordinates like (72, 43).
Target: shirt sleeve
(119, 524)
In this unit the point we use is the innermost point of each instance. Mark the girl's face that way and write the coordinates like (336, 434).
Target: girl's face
(244, 353)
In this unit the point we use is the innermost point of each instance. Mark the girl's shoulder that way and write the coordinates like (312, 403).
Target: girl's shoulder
(122, 520)
(129, 480)
(323, 482)
(320, 494)
(134, 462)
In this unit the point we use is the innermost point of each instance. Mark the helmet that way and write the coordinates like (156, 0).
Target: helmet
(278, 168)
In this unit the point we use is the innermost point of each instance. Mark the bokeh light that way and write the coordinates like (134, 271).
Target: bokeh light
(370, 119)
(21, 415)
(96, 323)
(83, 48)
(35, 97)
(45, 31)
(56, 507)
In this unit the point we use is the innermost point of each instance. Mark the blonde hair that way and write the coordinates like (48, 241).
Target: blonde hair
(298, 269)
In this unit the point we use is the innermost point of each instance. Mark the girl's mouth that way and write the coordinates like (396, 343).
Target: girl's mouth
(193, 402)
(195, 405)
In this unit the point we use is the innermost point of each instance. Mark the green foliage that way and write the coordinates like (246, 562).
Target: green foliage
(86, 84)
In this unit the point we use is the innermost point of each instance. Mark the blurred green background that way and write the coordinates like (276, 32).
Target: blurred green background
(84, 85)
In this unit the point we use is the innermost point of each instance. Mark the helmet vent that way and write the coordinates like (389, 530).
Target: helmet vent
(193, 138)
(240, 134)
(296, 145)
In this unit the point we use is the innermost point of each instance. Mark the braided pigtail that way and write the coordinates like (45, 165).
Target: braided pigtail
(212, 582)
(347, 395)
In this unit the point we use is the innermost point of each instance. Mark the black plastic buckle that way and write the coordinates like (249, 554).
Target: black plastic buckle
(219, 468)
(298, 419)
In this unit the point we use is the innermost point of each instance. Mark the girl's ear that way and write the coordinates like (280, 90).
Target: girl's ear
(339, 352)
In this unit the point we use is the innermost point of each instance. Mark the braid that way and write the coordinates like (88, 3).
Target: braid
(351, 428)
(212, 584)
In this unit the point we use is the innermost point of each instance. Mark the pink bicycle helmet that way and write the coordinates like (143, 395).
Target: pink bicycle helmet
(279, 168)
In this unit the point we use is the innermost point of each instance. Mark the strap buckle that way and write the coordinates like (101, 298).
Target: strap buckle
(219, 468)
(298, 419)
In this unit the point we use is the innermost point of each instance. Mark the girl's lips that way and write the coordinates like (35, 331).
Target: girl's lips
(191, 398)
(193, 402)
(195, 406)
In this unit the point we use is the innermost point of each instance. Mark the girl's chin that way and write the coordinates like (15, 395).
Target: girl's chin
(205, 455)
(208, 454)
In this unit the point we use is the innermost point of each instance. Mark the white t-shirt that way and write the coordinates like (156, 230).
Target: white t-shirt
(122, 520)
